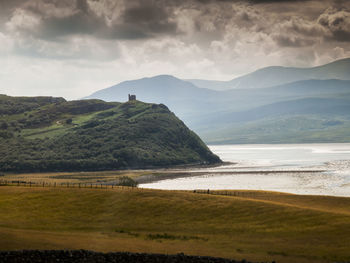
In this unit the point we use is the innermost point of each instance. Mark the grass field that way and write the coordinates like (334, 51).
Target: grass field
(75, 177)
(254, 225)
(93, 177)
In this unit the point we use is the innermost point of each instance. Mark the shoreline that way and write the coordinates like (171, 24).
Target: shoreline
(152, 178)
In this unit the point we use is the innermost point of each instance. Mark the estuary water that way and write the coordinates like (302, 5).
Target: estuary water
(319, 169)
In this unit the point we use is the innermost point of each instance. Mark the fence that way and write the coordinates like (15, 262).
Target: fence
(61, 184)
(237, 193)
(115, 186)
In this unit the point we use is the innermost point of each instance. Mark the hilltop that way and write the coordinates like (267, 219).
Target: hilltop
(180, 96)
(52, 134)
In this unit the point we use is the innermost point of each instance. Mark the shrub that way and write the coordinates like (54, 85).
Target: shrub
(127, 181)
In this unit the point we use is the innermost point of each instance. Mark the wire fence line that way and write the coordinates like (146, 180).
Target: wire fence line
(107, 185)
(236, 193)
(61, 184)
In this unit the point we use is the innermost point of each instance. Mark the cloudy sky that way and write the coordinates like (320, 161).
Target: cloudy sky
(71, 48)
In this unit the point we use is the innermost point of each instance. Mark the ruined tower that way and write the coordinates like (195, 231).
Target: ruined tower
(132, 97)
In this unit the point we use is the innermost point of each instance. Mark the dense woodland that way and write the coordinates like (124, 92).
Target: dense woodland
(51, 134)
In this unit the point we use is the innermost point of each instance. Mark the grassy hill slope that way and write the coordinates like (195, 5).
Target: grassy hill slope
(258, 226)
(96, 135)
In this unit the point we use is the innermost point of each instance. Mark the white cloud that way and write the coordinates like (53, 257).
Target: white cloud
(23, 20)
(6, 44)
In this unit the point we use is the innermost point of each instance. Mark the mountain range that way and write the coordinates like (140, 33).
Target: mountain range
(276, 75)
(270, 105)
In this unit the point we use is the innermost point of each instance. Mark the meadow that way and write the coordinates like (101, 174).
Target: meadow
(74, 177)
(252, 225)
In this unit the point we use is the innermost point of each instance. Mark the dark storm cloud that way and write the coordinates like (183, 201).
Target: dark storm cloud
(338, 24)
(142, 19)
(251, 1)
(79, 23)
(9, 4)
(292, 41)
(275, 1)
(153, 19)
(219, 24)
(145, 19)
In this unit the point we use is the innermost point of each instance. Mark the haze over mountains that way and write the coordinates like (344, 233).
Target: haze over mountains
(273, 76)
(270, 105)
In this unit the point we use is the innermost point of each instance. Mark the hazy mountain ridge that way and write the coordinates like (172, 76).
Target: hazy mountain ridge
(277, 75)
(165, 89)
(208, 111)
(164, 86)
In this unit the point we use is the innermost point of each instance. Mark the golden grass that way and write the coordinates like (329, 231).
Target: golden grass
(322, 203)
(74, 177)
(258, 226)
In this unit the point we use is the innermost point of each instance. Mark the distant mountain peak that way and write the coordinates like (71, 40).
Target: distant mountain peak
(279, 75)
(164, 76)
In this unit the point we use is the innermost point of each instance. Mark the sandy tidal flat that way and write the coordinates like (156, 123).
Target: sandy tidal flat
(317, 169)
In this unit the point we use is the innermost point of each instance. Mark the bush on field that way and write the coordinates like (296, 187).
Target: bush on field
(127, 181)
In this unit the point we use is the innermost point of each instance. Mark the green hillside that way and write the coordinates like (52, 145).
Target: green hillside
(284, 129)
(51, 134)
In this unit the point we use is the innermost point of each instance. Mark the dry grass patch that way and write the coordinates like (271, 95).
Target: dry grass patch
(74, 177)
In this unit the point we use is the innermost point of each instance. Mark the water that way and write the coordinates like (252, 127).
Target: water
(283, 167)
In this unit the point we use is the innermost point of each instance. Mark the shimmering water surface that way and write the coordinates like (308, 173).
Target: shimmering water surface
(295, 168)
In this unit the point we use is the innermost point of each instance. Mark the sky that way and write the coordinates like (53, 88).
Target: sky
(71, 48)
